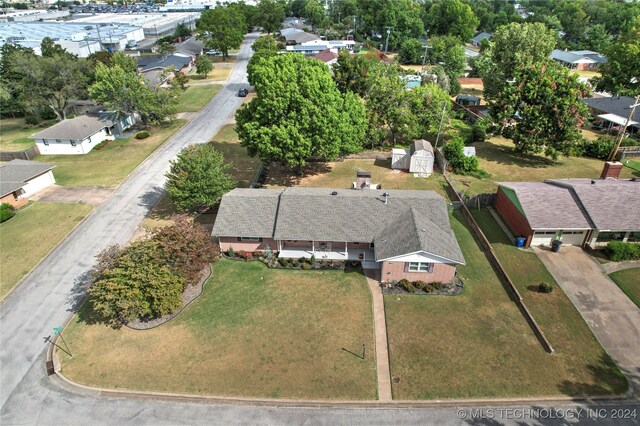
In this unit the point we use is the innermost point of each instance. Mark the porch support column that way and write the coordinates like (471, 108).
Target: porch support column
(346, 252)
(626, 237)
(313, 247)
(279, 245)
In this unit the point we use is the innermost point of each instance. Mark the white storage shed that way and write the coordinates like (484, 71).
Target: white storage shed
(418, 160)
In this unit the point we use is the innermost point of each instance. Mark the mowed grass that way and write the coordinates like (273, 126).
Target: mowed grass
(629, 281)
(14, 133)
(221, 71)
(558, 318)
(31, 234)
(478, 344)
(255, 332)
(342, 174)
(195, 97)
(634, 165)
(498, 157)
(109, 166)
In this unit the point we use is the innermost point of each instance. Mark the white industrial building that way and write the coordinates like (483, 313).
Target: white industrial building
(78, 38)
(154, 24)
(30, 15)
(179, 5)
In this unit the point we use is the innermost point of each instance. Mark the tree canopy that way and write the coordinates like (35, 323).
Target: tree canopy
(222, 28)
(203, 66)
(403, 16)
(621, 74)
(270, 15)
(451, 17)
(299, 113)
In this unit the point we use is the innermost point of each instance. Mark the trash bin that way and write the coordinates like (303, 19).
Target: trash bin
(520, 241)
(555, 246)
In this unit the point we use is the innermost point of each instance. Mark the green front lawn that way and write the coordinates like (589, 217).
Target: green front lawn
(255, 332)
(478, 344)
(14, 133)
(498, 157)
(634, 165)
(629, 281)
(109, 166)
(31, 234)
(195, 97)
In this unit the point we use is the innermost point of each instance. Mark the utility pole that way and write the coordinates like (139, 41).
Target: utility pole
(424, 57)
(616, 146)
(99, 38)
(444, 108)
(386, 44)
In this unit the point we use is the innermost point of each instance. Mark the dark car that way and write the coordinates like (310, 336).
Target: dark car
(243, 93)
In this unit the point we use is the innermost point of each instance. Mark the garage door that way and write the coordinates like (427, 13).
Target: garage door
(543, 238)
(573, 237)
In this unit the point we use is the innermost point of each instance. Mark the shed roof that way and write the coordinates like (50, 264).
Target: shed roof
(77, 128)
(421, 144)
(16, 173)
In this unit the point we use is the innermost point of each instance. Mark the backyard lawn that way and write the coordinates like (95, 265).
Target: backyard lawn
(195, 97)
(255, 332)
(478, 344)
(629, 281)
(109, 166)
(14, 133)
(498, 157)
(31, 234)
(634, 165)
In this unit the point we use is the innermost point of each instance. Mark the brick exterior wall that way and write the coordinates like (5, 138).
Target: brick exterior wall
(396, 271)
(512, 216)
(11, 199)
(226, 242)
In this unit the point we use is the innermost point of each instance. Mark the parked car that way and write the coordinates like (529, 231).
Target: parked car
(243, 93)
(213, 52)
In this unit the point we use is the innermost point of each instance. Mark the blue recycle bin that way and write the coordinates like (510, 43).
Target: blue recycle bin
(520, 241)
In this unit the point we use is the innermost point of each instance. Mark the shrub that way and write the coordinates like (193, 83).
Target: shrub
(545, 288)
(600, 148)
(479, 130)
(460, 163)
(407, 285)
(294, 263)
(6, 212)
(305, 266)
(313, 261)
(421, 285)
(231, 252)
(619, 251)
(302, 260)
(268, 254)
(282, 261)
(102, 144)
(247, 255)
(142, 135)
(240, 253)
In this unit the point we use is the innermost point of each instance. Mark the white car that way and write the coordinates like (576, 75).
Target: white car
(213, 52)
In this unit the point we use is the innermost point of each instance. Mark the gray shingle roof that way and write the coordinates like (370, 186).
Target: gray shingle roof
(618, 105)
(564, 56)
(353, 216)
(610, 204)
(175, 61)
(301, 37)
(481, 36)
(421, 144)
(413, 232)
(191, 46)
(247, 213)
(77, 128)
(549, 207)
(15, 174)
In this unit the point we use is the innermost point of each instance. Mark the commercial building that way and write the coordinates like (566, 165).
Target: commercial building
(31, 15)
(153, 24)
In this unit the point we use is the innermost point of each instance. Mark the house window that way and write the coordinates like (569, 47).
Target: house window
(634, 237)
(250, 239)
(73, 143)
(420, 267)
(610, 236)
(45, 142)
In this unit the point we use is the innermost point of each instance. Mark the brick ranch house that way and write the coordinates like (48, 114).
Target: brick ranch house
(577, 211)
(20, 179)
(406, 234)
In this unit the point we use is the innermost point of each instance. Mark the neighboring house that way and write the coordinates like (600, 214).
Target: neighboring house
(482, 36)
(81, 134)
(615, 111)
(576, 211)
(308, 50)
(327, 56)
(468, 100)
(406, 234)
(191, 47)
(581, 60)
(334, 45)
(20, 179)
(175, 61)
(298, 36)
(417, 160)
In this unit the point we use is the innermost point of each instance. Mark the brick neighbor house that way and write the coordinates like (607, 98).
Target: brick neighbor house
(406, 234)
(19, 179)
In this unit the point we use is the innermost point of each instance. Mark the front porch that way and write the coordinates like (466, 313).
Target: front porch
(326, 251)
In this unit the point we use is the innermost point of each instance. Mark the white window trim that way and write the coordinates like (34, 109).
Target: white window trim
(419, 266)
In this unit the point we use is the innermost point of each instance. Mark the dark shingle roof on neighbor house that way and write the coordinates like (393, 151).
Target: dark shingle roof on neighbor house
(177, 61)
(618, 105)
(191, 46)
(16, 173)
(481, 36)
(77, 128)
(301, 37)
(351, 216)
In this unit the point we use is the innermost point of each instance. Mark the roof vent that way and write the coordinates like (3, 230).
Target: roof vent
(386, 197)
(334, 193)
(593, 182)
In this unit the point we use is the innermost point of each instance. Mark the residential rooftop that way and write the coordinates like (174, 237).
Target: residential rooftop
(15, 174)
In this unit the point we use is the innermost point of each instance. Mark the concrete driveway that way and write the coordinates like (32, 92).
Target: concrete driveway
(611, 315)
(69, 194)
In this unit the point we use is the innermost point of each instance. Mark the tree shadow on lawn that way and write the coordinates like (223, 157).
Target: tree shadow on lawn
(243, 167)
(604, 371)
(279, 175)
(508, 155)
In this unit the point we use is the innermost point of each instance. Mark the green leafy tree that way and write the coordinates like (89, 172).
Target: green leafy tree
(573, 18)
(198, 178)
(621, 74)
(49, 49)
(11, 79)
(452, 17)
(344, 9)
(222, 28)
(350, 72)
(299, 113)
(460, 163)
(543, 110)
(182, 31)
(270, 15)
(265, 43)
(265, 48)
(426, 104)
(437, 75)
(165, 49)
(403, 16)
(314, 13)
(448, 52)
(297, 8)
(102, 56)
(411, 52)
(598, 39)
(180, 80)
(203, 66)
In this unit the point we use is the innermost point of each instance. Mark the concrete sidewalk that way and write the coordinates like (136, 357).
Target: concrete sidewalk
(380, 326)
(613, 318)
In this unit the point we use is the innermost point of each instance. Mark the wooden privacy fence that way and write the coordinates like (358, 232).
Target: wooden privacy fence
(628, 151)
(27, 154)
(481, 200)
(501, 272)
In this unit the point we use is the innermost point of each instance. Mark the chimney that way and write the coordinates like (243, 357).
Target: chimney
(611, 170)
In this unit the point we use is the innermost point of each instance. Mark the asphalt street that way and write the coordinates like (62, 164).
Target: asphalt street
(49, 295)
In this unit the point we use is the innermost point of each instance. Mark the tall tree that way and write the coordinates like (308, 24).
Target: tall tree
(598, 39)
(165, 49)
(448, 52)
(299, 113)
(402, 17)
(621, 74)
(222, 28)
(11, 78)
(350, 72)
(49, 49)
(411, 51)
(198, 178)
(182, 31)
(452, 17)
(573, 18)
(426, 104)
(270, 15)
(203, 66)
(543, 109)
(314, 13)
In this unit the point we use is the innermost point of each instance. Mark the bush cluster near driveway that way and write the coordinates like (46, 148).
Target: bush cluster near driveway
(255, 332)
(498, 158)
(31, 234)
(110, 165)
(15, 132)
(619, 251)
(195, 97)
(478, 344)
(629, 281)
